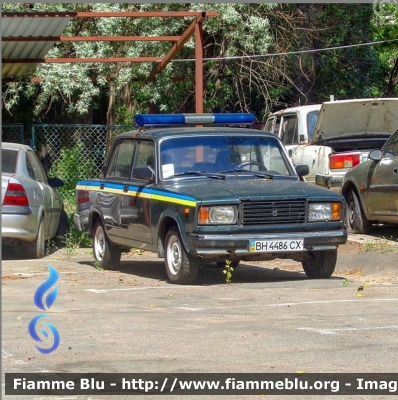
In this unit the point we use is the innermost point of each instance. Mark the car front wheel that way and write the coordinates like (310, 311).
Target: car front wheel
(181, 267)
(107, 255)
(320, 264)
(355, 218)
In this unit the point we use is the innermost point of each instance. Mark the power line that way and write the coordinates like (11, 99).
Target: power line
(289, 52)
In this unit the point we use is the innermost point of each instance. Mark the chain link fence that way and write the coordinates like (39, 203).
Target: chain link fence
(49, 139)
(95, 140)
(13, 133)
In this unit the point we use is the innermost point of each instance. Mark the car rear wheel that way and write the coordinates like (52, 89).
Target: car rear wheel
(320, 264)
(36, 249)
(181, 267)
(355, 218)
(107, 255)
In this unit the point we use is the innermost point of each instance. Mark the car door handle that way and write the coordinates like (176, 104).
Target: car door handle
(102, 186)
(395, 170)
(125, 189)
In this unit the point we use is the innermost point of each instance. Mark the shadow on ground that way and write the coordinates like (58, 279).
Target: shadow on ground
(209, 274)
(389, 232)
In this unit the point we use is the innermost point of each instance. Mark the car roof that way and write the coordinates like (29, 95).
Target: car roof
(159, 133)
(310, 107)
(14, 146)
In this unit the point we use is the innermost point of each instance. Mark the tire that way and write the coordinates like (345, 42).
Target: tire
(181, 267)
(234, 264)
(107, 255)
(355, 217)
(320, 264)
(37, 248)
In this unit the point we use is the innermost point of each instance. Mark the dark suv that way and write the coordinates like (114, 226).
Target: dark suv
(207, 194)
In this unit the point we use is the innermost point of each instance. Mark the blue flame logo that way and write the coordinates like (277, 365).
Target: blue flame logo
(52, 296)
(49, 300)
(33, 333)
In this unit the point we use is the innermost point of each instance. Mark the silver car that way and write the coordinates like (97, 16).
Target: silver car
(31, 209)
(371, 189)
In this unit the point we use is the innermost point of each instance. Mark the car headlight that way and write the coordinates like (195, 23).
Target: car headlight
(324, 212)
(217, 215)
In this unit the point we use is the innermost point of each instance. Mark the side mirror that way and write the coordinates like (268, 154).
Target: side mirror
(146, 172)
(55, 182)
(375, 155)
(302, 169)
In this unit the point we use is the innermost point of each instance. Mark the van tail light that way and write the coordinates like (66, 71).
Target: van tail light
(15, 195)
(346, 160)
(82, 197)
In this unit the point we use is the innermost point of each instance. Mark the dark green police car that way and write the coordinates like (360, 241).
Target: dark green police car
(198, 194)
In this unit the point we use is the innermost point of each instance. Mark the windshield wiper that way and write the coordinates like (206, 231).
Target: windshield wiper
(200, 173)
(255, 173)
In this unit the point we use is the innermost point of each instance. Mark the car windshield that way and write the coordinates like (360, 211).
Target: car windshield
(8, 161)
(188, 155)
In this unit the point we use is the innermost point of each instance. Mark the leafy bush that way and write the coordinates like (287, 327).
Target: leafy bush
(72, 166)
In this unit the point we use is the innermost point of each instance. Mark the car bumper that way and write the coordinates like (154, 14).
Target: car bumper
(330, 181)
(220, 245)
(19, 227)
(81, 222)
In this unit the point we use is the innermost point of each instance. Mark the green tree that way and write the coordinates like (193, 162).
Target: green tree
(239, 30)
(260, 57)
(342, 70)
(385, 28)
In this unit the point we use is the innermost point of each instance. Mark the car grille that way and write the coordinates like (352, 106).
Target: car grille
(273, 212)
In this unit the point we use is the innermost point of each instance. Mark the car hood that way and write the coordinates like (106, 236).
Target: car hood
(356, 118)
(247, 189)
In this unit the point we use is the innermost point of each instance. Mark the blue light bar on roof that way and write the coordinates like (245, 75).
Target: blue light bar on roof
(179, 119)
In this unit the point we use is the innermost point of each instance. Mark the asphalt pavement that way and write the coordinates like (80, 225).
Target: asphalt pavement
(270, 318)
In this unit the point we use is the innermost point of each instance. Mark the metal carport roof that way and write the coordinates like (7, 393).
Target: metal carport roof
(19, 27)
(28, 36)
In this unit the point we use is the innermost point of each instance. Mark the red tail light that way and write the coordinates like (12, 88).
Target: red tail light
(347, 160)
(15, 195)
(82, 197)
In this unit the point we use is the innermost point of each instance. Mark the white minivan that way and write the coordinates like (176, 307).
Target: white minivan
(293, 125)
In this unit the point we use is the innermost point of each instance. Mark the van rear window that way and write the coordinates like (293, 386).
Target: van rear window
(311, 122)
